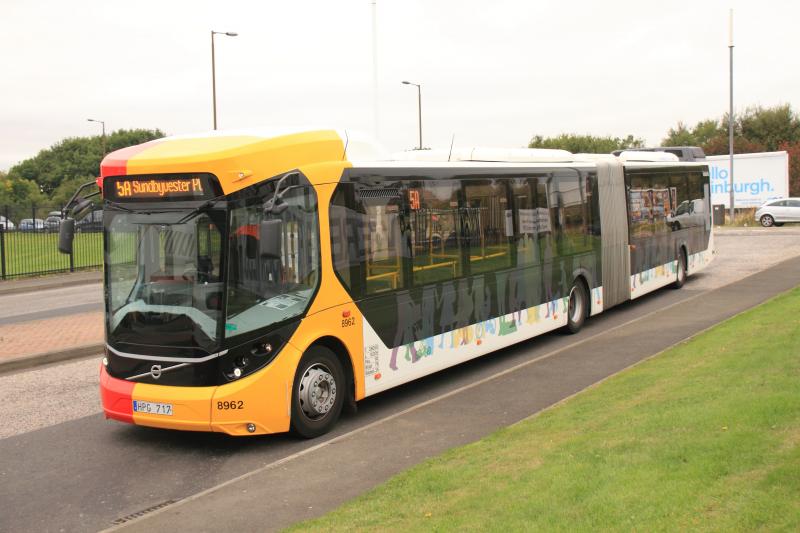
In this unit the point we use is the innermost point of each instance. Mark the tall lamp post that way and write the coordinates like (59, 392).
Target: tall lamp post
(419, 108)
(214, 70)
(104, 133)
(730, 116)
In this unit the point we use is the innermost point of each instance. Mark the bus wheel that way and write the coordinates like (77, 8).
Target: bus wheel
(578, 304)
(680, 279)
(318, 392)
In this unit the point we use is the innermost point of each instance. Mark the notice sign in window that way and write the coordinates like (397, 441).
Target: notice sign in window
(154, 188)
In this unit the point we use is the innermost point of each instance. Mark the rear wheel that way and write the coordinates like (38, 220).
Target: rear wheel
(318, 392)
(680, 279)
(578, 306)
(767, 221)
(778, 224)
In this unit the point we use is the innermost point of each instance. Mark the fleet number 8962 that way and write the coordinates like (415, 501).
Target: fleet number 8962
(233, 404)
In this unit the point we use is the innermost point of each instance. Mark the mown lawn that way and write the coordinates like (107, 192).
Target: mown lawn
(706, 436)
(27, 253)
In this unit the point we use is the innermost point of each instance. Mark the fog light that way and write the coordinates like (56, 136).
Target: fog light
(105, 361)
(251, 428)
(267, 347)
(237, 372)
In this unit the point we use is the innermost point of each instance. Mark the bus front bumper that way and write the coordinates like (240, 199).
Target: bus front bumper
(244, 407)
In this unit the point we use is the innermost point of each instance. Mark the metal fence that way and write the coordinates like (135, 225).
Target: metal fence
(29, 242)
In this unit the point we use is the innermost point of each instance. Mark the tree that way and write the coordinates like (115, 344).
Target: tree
(589, 144)
(16, 191)
(67, 188)
(793, 149)
(702, 133)
(76, 157)
(769, 127)
(756, 129)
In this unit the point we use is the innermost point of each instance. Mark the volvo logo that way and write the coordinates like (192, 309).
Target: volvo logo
(156, 371)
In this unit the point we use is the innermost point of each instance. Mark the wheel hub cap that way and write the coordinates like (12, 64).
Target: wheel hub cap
(317, 391)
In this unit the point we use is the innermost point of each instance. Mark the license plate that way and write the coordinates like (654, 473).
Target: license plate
(152, 408)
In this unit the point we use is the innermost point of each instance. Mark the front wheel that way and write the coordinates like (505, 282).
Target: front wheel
(578, 305)
(318, 393)
(767, 221)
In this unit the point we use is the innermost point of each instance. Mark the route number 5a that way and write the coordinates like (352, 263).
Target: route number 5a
(123, 189)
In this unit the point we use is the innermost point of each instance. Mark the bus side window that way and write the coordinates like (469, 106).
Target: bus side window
(660, 186)
(435, 230)
(526, 217)
(367, 242)
(382, 233)
(487, 228)
(347, 244)
(573, 213)
(544, 215)
(640, 202)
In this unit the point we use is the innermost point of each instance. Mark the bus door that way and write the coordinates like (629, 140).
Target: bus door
(616, 259)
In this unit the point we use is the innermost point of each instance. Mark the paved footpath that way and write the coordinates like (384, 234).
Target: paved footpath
(322, 477)
(48, 319)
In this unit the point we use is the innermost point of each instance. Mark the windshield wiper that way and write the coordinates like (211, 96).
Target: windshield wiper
(205, 205)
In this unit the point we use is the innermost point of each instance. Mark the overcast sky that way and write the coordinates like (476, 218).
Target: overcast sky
(493, 73)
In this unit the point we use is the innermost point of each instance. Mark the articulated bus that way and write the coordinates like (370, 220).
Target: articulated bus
(260, 283)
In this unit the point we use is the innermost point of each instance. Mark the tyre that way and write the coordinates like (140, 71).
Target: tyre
(578, 307)
(767, 221)
(318, 393)
(680, 278)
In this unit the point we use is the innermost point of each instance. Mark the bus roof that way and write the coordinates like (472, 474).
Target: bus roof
(240, 158)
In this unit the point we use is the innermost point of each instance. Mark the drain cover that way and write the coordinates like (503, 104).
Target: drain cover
(143, 512)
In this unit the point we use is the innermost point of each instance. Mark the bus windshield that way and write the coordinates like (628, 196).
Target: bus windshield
(169, 274)
(165, 281)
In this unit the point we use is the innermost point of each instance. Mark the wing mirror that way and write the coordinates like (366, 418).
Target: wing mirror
(83, 206)
(66, 234)
(269, 239)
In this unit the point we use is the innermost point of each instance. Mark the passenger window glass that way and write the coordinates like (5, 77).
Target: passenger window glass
(263, 290)
(435, 231)
(659, 185)
(573, 214)
(367, 241)
(488, 226)
(382, 236)
(525, 221)
(640, 204)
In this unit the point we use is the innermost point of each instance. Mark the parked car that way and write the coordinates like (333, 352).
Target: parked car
(6, 224)
(53, 221)
(31, 224)
(777, 212)
(92, 222)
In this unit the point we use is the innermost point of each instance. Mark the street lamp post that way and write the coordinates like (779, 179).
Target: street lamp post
(419, 108)
(214, 70)
(730, 119)
(104, 133)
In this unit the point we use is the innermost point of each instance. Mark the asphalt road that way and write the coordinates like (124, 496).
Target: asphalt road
(64, 468)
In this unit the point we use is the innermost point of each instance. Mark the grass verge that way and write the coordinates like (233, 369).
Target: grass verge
(35, 253)
(706, 436)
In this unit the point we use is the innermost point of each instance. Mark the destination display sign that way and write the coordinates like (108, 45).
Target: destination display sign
(155, 188)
